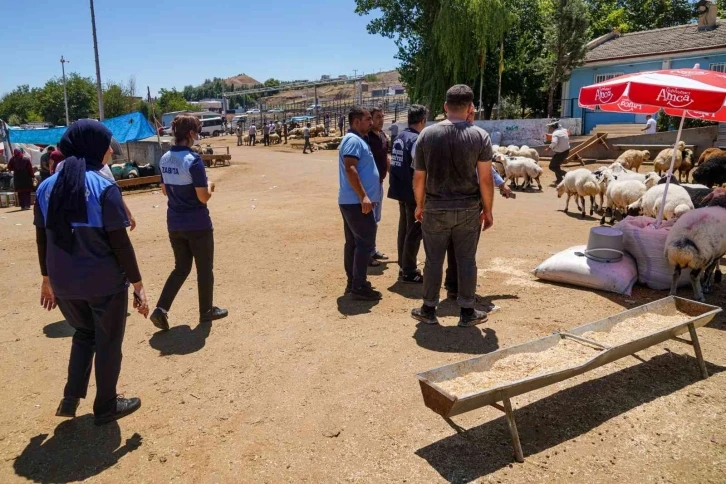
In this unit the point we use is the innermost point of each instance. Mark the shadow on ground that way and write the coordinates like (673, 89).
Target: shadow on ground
(452, 339)
(59, 329)
(181, 340)
(482, 450)
(348, 306)
(78, 450)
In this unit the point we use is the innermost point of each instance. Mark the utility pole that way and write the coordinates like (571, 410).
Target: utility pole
(65, 92)
(98, 66)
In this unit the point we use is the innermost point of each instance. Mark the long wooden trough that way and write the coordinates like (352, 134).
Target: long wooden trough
(434, 383)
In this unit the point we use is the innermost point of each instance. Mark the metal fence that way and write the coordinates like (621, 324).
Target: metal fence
(394, 107)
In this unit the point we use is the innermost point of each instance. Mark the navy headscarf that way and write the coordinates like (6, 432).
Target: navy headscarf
(84, 145)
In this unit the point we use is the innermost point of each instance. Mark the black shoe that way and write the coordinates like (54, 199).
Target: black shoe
(373, 262)
(348, 287)
(123, 407)
(380, 256)
(365, 293)
(67, 407)
(415, 278)
(425, 314)
(472, 317)
(158, 317)
(213, 314)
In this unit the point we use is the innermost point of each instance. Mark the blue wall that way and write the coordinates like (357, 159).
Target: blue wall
(585, 76)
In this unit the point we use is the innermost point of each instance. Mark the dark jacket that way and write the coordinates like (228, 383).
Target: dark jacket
(400, 185)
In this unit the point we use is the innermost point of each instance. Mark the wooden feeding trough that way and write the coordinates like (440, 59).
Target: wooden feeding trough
(217, 159)
(498, 376)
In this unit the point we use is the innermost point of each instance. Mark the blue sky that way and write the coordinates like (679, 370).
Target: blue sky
(165, 43)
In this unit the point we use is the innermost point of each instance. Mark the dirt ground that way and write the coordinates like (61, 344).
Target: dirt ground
(301, 384)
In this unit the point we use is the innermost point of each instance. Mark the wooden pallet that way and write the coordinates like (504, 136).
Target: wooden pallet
(138, 181)
(589, 143)
(217, 159)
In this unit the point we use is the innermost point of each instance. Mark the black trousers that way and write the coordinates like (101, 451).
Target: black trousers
(266, 139)
(252, 139)
(100, 324)
(556, 162)
(191, 246)
(442, 228)
(409, 237)
(360, 239)
(307, 145)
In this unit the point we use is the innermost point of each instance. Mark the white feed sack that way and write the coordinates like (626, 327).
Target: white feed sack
(569, 268)
(647, 245)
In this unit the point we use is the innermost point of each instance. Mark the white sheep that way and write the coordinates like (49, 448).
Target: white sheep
(677, 202)
(697, 241)
(620, 194)
(663, 160)
(581, 183)
(528, 152)
(519, 166)
(632, 159)
(501, 150)
(512, 150)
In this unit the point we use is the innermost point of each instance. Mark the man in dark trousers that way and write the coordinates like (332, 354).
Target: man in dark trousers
(379, 147)
(400, 187)
(454, 193)
(560, 146)
(360, 191)
(341, 125)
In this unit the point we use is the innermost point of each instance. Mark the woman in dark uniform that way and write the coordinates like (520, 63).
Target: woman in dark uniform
(87, 262)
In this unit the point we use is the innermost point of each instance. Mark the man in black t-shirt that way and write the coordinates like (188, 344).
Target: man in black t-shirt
(379, 147)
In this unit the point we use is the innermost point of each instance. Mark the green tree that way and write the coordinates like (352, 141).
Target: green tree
(82, 99)
(19, 102)
(14, 120)
(636, 15)
(117, 101)
(172, 100)
(566, 37)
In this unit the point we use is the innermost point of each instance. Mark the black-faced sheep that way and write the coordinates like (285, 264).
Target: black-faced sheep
(712, 172)
(697, 241)
(686, 165)
(581, 183)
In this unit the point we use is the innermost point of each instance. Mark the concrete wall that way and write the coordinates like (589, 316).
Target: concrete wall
(519, 132)
(702, 138)
(146, 151)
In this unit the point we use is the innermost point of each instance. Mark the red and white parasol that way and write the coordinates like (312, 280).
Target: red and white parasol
(688, 93)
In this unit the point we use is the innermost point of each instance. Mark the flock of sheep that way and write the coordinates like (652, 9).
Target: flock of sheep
(697, 240)
(513, 163)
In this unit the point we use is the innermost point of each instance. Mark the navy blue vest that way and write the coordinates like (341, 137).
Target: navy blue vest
(401, 182)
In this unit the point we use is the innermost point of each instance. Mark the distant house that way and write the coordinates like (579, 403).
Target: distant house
(396, 90)
(616, 54)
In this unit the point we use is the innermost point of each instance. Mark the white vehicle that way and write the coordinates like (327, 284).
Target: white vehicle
(237, 119)
(212, 126)
(313, 107)
(253, 111)
(276, 110)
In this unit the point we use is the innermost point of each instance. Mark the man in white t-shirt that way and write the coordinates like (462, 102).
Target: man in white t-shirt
(650, 127)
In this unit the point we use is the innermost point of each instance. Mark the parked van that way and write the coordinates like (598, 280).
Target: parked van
(212, 126)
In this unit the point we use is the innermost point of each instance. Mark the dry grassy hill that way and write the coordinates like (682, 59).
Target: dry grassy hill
(242, 80)
(334, 92)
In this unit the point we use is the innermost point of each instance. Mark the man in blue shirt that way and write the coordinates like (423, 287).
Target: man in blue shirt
(360, 190)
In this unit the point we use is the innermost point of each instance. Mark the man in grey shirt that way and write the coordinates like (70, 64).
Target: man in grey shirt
(454, 193)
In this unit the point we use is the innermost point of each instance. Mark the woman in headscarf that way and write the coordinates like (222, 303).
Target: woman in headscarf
(56, 157)
(23, 176)
(87, 262)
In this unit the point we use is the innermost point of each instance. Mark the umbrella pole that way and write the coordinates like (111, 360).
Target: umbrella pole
(659, 219)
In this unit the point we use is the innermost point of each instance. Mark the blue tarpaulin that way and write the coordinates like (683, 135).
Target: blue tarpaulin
(129, 127)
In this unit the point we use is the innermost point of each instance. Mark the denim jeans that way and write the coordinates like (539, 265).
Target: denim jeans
(360, 239)
(459, 228)
(409, 238)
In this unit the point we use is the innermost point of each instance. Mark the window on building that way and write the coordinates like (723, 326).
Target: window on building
(719, 67)
(607, 77)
